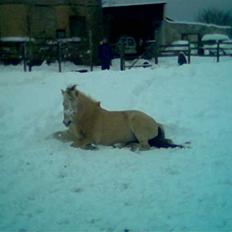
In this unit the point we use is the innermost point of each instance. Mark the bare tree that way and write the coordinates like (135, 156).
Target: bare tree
(215, 16)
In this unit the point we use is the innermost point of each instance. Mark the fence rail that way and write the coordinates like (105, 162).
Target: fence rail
(221, 48)
(32, 54)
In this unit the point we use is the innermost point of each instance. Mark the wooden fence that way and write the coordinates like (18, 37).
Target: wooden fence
(221, 48)
(57, 51)
(34, 54)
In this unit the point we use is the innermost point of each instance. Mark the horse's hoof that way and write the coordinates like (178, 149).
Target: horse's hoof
(85, 147)
(58, 135)
(74, 145)
(91, 147)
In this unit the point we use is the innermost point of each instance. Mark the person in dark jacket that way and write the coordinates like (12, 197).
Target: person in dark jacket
(105, 54)
(182, 59)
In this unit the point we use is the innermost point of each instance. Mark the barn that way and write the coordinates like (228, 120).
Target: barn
(139, 19)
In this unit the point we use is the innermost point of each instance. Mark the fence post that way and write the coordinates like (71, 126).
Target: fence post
(218, 54)
(156, 53)
(29, 55)
(91, 50)
(59, 55)
(122, 57)
(189, 53)
(24, 57)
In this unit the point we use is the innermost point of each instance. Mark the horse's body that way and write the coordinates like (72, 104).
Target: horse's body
(89, 124)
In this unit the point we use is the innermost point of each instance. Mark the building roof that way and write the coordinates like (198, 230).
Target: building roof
(198, 23)
(118, 3)
(43, 2)
(105, 3)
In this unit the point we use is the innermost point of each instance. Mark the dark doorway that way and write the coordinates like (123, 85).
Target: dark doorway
(138, 21)
(77, 26)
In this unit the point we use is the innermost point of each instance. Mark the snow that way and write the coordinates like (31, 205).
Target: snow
(178, 45)
(47, 185)
(215, 37)
(72, 39)
(118, 3)
(211, 40)
(198, 23)
(15, 39)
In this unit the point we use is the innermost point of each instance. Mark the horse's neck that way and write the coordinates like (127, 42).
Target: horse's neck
(88, 110)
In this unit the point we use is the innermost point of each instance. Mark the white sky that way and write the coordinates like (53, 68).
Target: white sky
(189, 9)
(182, 9)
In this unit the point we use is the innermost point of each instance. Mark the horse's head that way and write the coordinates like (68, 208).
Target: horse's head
(76, 103)
(70, 104)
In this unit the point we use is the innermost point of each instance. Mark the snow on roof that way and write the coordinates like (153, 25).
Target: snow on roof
(15, 39)
(71, 39)
(118, 3)
(198, 23)
(215, 36)
(180, 42)
(46, 2)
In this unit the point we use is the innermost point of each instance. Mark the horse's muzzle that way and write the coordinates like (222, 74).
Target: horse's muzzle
(67, 123)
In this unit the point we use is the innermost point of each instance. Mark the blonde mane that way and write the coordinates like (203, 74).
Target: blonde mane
(84, 105)
(72, 90)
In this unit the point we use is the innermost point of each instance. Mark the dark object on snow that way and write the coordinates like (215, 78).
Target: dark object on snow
(82, 70)
(161, 142)
(182, 59)
(105, 54)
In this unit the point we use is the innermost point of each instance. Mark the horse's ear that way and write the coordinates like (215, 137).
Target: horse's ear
(73, 87)
(98, 103)
(76, 93)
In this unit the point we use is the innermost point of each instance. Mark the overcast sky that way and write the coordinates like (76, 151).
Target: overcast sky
(184, 10)
(189, 9)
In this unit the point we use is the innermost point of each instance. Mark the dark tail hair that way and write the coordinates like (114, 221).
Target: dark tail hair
(160, 141)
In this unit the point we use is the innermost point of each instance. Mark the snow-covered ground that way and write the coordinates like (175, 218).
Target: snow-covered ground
(46, 185)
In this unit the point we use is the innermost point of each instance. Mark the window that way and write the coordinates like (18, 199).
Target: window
(77, 26)
(60, 33)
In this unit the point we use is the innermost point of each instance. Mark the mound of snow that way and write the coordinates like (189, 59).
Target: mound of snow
(46, 185)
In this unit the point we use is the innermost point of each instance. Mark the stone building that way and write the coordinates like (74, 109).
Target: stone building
(192, 31)
(50, 18)
(148, 20)
(89, 20)
(44, 18)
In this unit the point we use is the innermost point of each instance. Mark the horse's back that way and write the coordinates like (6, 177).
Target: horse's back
(112, 127)
(123, 127)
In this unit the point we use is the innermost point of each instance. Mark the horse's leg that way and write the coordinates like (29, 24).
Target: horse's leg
(143, 145)
(119, 145)
(142, 140)
(83, 144)
(143, 132)
(63, 136)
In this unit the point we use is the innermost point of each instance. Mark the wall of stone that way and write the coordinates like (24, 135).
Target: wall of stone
(171, 31)
(42, 20)
(62, 17)
(13, 20)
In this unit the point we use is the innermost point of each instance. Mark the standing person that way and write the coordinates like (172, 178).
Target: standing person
(182, 59)
(105, 54)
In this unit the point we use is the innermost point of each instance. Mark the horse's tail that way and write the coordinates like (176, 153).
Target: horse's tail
(160, 141)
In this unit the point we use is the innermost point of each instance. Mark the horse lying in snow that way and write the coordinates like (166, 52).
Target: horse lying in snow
(89, 124)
